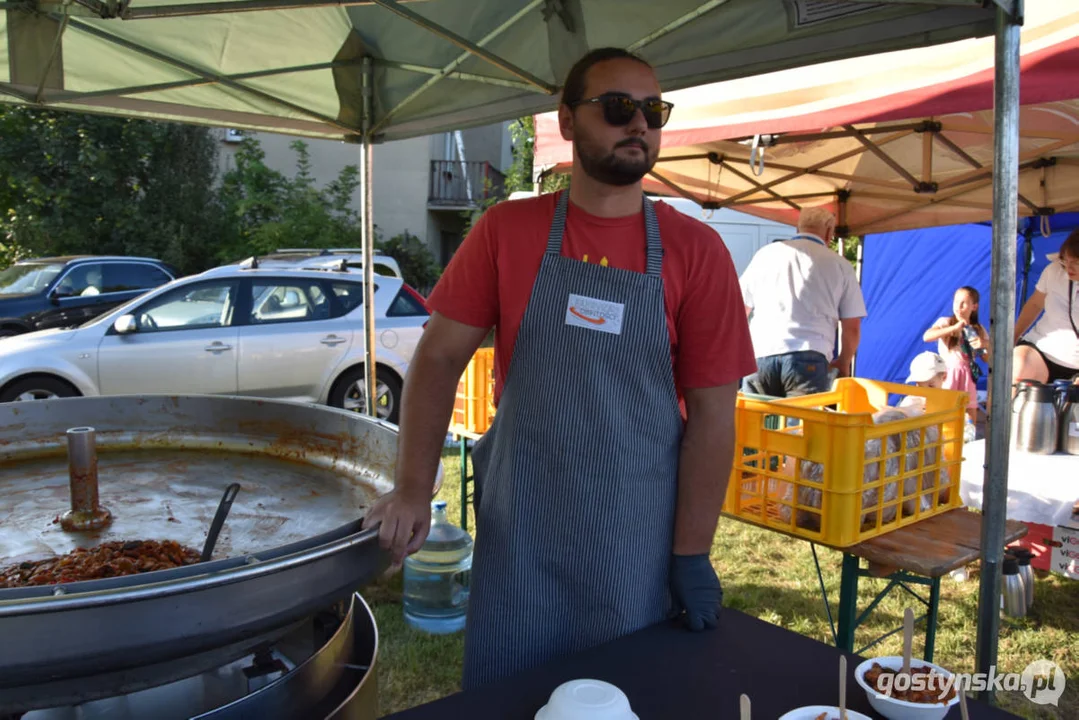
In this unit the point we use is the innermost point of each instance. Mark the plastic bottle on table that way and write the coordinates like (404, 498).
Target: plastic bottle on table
(970, 432)
(436, 577)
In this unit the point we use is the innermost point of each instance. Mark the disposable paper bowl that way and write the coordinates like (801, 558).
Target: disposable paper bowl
(811, 712)
(901, 709)
(587, 700)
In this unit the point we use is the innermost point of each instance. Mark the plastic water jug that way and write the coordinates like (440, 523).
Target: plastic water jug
(436, 577)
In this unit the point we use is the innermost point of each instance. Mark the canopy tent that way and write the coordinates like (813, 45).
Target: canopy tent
(909, 276)
(350, 70)
(894, 141)
(373, 70)
(296, 66)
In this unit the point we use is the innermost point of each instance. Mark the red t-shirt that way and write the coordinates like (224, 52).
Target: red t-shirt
(489, 282)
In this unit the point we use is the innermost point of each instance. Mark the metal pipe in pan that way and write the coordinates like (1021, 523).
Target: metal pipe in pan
(85, 513)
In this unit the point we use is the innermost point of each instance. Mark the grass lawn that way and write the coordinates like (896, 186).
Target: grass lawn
(770, 577)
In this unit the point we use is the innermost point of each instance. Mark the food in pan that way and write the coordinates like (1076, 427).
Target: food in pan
(930, 687)
(110, 559)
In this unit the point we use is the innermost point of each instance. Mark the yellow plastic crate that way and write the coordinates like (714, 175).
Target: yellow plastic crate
(820, 468)
(473, 408)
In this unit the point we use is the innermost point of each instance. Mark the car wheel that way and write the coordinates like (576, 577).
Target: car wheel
(41, 387)
(348, 393)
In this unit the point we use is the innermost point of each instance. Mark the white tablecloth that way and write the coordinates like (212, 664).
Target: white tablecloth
(1041, 488)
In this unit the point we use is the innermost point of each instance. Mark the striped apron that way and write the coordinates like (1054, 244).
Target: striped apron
(576, 480)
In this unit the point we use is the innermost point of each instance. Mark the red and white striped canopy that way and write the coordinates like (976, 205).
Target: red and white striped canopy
(890, 141)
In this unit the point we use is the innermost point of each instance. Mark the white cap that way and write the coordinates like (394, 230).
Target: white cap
(926, 366)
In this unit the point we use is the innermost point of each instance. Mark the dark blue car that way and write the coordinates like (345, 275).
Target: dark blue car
(59, 292)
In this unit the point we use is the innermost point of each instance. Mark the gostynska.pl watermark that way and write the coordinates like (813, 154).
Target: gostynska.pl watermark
(1042, 682)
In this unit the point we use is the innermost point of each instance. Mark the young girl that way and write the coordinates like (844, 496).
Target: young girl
(960, 340)
(928, 370)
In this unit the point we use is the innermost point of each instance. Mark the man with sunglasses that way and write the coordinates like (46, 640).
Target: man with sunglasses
(620, 341)
(1050, 350)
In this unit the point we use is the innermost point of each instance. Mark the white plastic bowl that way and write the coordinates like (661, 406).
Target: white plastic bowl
(811, 712)
(587, 700)
(901, 709)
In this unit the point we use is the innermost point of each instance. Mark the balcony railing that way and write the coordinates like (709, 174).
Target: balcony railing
(463, 185)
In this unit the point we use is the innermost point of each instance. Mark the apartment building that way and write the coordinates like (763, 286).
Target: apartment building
(422, 185)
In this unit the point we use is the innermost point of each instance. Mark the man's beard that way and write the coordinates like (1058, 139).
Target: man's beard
(611, 168)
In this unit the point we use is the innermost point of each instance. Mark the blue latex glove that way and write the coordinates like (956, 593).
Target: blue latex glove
(695, 591)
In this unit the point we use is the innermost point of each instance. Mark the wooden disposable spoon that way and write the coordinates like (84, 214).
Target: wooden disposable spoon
(908, 638)
(744, 714)
(842, 687)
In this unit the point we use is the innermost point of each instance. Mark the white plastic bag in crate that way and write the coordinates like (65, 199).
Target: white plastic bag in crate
(814, 472)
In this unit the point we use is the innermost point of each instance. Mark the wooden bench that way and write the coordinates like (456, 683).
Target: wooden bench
(919, 554)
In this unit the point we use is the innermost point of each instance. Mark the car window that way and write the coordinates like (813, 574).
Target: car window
(205, 305)
(125, 277)
(28, 278)
(81, 281)
(288, 301)
(405, 305)
(380, 269)
(349, 295)
(384, 269)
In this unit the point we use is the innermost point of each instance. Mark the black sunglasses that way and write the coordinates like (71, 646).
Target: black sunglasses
(619, 109)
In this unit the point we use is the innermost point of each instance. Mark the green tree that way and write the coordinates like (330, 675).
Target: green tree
(519, 175)
(523, 134)
(73, 183)
(850, 249)
(267, 210)
(412, 254)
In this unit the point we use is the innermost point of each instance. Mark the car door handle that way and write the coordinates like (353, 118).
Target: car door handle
(332, 340)
(217, 347)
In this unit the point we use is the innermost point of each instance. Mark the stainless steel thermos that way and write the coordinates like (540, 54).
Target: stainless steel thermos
(1013, 594)
(1035, 423)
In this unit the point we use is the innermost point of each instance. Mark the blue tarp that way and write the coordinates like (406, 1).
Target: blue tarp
(909, 278)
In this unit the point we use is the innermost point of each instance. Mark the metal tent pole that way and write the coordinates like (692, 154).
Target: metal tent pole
(1005, 221)
(367, 234)
(858, 274)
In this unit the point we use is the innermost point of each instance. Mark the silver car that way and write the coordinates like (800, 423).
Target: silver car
(330, 258)
(265, 332)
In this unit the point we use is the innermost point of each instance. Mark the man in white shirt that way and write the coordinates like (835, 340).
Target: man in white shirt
(1050, 350)
(796, 293)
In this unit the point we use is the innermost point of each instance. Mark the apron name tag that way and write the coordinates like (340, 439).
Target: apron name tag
(593, 314)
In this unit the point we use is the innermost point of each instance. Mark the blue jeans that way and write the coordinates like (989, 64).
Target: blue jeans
(797, 373)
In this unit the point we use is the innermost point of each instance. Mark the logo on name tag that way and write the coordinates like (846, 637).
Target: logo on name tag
(593, 314)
